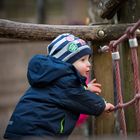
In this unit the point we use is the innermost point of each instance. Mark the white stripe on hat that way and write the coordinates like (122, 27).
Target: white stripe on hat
(63, 50)
(66, 34)
(57, 45)
(53, 42)
(72, 54)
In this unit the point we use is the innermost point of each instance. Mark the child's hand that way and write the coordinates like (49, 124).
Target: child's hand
(94, 87)
(109, 107)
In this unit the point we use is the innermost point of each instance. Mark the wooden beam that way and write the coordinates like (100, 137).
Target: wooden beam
(28, 31)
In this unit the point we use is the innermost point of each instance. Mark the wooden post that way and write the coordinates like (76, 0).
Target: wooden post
(102, 70)
(127, 14)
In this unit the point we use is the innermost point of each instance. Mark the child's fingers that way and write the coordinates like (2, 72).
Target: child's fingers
(97, 84)
(96, 89)
(92, 81)
(99, 90)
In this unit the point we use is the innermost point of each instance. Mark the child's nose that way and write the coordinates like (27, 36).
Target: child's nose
(88, 64)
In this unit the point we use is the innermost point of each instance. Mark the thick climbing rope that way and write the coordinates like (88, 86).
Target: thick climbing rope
(116, 57)
(134, 58)
(113, 47)
(121, 114)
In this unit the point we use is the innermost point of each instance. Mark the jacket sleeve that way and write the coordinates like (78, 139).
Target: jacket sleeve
(82, 101)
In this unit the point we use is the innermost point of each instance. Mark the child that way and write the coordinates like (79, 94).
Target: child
(57, 94)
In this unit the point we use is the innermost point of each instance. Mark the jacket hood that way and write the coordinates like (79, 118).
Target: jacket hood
(44, 69)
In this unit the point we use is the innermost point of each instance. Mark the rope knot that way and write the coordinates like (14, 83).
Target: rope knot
(137, 96)
(130, 33)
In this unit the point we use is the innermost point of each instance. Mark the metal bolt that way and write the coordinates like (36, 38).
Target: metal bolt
(101, 33)
(101, 4)
(138, 31)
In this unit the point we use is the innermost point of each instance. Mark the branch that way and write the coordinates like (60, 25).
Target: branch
(26, 31)
(110, 7)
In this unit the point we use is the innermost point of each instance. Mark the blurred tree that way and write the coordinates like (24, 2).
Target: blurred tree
(41, 11)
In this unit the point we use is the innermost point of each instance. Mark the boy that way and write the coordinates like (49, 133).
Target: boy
(57, 95)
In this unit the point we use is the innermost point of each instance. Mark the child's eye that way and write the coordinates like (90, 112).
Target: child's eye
(83, 59)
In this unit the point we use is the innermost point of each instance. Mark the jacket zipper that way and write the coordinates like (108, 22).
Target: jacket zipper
(62, 126)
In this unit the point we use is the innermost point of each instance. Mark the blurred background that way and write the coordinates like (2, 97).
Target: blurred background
(45, 11)
(15, 54)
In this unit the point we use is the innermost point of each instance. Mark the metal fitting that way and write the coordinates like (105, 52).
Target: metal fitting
(103, 48)
(138, 31)
(115, 55)
(100, 4)
(101, 33)
(133, 42)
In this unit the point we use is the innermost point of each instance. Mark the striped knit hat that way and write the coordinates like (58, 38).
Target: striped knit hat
(68, 48)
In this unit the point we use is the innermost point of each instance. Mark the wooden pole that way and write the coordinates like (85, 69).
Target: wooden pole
(103, 72)
(28, 31)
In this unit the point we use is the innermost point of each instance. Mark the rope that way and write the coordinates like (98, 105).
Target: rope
(112, 47)
(134, 59)
(120, 100)
(127, 104)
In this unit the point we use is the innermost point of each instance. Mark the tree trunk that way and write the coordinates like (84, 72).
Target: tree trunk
(41, 11)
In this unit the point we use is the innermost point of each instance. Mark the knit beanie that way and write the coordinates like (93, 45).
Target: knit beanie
(68, 48)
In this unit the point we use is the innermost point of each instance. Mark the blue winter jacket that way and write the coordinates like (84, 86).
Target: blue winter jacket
(53, 102)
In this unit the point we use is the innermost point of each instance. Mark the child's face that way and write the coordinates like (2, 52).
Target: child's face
(83, 65)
